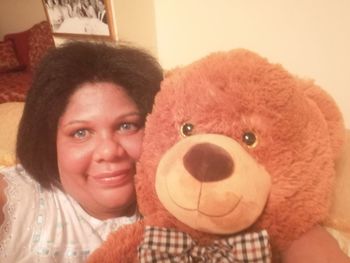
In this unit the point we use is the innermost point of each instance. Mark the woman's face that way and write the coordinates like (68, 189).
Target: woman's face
(99, 140)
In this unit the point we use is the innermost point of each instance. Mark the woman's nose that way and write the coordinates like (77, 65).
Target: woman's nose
(108, 149)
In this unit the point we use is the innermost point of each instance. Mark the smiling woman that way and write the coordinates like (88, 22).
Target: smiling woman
(96, 152)
(78, 141)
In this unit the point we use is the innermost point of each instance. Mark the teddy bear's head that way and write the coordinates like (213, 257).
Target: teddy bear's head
(236, 143)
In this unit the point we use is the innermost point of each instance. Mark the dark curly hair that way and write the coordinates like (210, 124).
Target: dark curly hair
(59, 74)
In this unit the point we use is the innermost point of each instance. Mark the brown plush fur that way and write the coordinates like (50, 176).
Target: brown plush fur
(299, 129)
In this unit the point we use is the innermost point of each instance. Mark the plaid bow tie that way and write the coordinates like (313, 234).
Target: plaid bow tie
(169, 245)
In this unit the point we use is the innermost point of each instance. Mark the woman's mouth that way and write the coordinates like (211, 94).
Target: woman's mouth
(113, 179)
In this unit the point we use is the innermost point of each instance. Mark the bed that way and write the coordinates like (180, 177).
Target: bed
(20, 53)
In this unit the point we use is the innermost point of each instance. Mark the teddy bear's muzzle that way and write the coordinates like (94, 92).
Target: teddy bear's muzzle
(211, 183)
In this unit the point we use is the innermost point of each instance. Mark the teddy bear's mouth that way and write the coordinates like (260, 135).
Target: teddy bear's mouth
(210, 208)
(233, 206)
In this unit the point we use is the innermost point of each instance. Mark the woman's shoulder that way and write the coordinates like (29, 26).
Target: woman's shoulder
(21, 204)
(2, 198)
(17, 176)
(14, 185)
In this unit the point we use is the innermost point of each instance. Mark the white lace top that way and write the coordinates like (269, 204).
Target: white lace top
(47, 226)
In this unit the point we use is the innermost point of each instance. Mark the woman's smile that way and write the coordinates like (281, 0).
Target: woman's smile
(113, 178)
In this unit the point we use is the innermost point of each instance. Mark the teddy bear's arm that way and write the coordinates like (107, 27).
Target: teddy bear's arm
(317, 245)
(120, 246)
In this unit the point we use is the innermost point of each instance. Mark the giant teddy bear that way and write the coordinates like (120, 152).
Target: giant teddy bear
(238, 163)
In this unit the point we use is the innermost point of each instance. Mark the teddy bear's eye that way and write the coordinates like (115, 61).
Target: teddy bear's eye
(249, 138)
(186, 129)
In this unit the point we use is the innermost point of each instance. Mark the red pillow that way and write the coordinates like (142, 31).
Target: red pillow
(8, 58)
(40, 40)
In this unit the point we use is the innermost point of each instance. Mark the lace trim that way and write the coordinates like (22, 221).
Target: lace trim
(8, 210)
(46, 251)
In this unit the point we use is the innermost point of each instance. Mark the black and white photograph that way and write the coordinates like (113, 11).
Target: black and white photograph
(80, 17)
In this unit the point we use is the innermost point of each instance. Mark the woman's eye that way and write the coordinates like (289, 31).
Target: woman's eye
(128, 127)
(250, 139)
(186, 129)
(80, 134)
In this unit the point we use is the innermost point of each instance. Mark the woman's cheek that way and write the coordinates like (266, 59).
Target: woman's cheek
(74, 159)
(133, 145)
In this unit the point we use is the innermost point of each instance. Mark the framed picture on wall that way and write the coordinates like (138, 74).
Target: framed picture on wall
(80, 18)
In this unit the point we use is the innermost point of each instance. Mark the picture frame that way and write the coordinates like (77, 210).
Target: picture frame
(80, 18)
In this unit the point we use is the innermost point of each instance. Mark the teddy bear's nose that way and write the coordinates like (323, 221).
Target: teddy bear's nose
(208, 162)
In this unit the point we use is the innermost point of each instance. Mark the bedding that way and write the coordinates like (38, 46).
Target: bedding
(19, 54)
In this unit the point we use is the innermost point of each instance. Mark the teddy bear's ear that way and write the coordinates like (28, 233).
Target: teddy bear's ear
(331, 113)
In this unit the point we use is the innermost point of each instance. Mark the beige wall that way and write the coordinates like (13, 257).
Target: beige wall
(310, 38)
(18, 15)
(135, 22)
(133, 19)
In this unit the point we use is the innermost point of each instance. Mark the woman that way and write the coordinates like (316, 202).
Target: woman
(66, 9)
(76, 8)
(55, 13)
(101, 14)
(78, 140)
(88, 9)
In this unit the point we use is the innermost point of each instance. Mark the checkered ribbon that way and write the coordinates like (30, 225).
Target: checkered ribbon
(168, 245)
